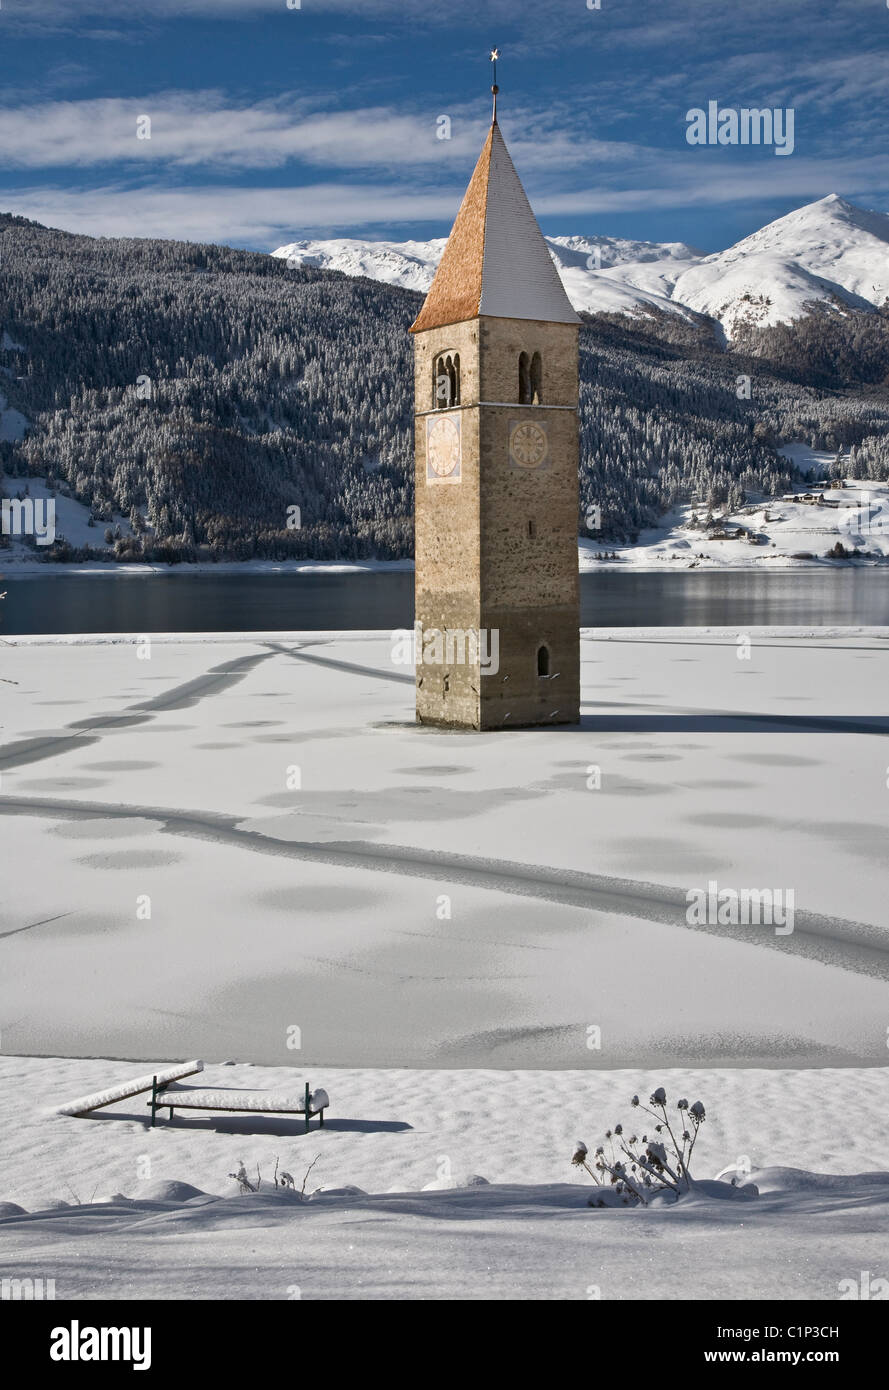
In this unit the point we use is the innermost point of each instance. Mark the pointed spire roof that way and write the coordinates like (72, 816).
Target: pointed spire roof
(496, 261)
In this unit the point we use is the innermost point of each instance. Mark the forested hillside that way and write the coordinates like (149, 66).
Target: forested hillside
(204, 391)
(666, 415)
(268, 389)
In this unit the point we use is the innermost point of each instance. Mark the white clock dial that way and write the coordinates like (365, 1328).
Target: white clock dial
(443, 446)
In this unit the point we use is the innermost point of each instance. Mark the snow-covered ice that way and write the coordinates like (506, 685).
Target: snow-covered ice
(476, 944)
(236, 838)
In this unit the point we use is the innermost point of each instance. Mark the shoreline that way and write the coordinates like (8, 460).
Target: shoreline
(29, 569)
(713, 633)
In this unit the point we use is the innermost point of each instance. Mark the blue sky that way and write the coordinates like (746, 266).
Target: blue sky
(270, 124)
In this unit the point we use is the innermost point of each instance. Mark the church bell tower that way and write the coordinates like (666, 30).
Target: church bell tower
(496, 448)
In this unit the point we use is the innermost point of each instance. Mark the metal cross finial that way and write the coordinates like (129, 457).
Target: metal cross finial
(495, 54)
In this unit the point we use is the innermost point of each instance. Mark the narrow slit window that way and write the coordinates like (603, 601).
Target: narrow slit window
(536, 379)
(543, 661)
(524, 379)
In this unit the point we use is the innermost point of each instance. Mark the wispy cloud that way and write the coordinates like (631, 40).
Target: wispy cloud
(191, 128)
(261, 217)
(266, 217)
(188, 129)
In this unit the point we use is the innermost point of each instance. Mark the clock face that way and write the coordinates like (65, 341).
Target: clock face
(443, 449)
(528, 444)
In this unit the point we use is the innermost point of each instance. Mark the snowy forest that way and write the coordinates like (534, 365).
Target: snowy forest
(206, 393)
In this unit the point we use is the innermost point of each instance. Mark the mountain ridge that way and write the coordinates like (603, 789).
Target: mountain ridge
(829, 253)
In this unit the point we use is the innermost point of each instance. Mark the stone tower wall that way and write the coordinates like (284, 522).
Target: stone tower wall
(498, 551)
(447, 533)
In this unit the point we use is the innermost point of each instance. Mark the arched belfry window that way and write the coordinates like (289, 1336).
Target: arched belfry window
(543, 661)
(446, 381)
(524, 379)
(536, 375)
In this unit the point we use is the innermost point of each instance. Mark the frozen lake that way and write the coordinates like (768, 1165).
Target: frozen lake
(248, 601)
(233, 838)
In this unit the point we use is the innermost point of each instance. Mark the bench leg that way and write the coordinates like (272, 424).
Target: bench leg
(153, 1100)
(321, 1116)
(171, 1112)
(307, 1101)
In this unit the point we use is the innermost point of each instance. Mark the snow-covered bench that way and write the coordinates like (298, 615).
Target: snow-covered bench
(84, 1104)
(173, 1097)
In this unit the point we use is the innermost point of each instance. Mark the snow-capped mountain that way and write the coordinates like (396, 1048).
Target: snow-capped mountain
(611, 275)
(410, 264)
(830, 251)
(593, 269)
